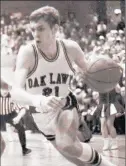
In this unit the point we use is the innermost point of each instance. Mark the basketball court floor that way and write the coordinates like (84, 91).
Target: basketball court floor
(44, 154)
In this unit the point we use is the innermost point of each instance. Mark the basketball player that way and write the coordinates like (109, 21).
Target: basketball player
(45, 67)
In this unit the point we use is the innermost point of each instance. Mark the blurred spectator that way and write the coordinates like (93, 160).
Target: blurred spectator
(60, 34)
(121, 25)
(123, 93)
(101, 29)
(117, 21)
(74, 35)
(16, 41)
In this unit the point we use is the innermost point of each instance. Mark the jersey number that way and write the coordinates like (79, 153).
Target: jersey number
(48, 91)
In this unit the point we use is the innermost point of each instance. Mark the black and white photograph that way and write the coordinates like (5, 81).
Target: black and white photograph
(62, 83)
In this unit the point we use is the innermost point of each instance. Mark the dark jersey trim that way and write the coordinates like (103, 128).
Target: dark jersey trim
(66, 56)
(49, 59)
(36, 61)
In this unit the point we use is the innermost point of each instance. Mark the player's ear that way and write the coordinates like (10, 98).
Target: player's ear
(55, 28)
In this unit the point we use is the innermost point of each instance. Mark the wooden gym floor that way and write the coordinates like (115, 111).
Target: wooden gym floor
(43, 153)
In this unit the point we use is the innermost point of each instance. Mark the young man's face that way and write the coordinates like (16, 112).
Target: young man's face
(41, 31)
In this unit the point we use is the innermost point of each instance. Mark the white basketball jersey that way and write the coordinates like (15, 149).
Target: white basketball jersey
(50, 77)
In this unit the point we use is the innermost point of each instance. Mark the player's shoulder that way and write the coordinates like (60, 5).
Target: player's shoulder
(27, 46)
(70, 44)
(73, 49)
(25, 57)
(27, 49)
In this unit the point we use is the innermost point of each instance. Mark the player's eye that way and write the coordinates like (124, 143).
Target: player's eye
(40, 29)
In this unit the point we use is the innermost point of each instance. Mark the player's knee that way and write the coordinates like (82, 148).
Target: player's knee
(67, 119)
(66, 131)
(65, 140)
(64, 119)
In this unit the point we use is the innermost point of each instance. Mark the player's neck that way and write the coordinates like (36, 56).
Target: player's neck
(49, 49)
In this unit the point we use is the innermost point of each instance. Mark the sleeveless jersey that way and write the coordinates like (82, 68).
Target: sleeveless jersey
(50, 77)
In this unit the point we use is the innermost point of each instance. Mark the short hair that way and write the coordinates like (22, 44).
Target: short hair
(48, 13)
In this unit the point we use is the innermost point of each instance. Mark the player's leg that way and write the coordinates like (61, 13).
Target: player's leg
(110, 124)
(68, 143)
(70, 158)
(105, 133)
(21, 134)
(112, 131)
(74, 160)
(2, 144)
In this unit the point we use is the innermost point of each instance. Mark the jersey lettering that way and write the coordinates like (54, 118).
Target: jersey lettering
(43, 81)
(49, 84)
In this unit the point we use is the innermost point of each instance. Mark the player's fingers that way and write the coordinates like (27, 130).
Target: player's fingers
(55, 104)
(62, 101)
(52, 104)
(57, 100)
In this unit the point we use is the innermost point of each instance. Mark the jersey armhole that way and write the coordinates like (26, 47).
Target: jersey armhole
(66, 56)
(36, 61)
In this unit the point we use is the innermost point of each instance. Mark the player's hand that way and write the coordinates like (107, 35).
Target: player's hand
(55, 102)
(80, 76)
(16, 120)
(49, 103)
(78, 81)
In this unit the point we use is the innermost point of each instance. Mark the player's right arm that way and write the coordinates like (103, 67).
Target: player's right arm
(24, 64)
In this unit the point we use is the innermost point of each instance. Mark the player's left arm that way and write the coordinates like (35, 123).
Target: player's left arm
(76, 55)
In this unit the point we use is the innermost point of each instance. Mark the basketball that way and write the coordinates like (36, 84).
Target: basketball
(102, 74)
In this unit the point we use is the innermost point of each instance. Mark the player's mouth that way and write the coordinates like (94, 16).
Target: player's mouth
(38, 41)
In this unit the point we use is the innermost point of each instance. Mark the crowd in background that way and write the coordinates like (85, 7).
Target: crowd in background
(98, 37)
